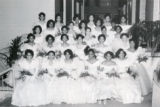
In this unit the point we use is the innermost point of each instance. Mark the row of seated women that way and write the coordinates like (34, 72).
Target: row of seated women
(79, 63)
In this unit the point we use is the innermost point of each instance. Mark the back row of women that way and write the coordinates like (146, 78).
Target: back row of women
(79, 63)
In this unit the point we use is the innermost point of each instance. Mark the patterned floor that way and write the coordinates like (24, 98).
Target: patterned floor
(146, 103)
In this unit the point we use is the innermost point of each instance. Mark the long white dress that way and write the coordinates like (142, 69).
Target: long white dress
(129, 90)
(29, 91)
(143, 77)
(106, 84)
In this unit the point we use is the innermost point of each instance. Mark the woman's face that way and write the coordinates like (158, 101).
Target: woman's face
(91, 18)
(31, 39)
(107, 19)
(64, 39)
(80, 40)
(132, 44)
(123, 20)
(71, 26)
(51, 55)
(124, 38)
(51, 25)
(91, 54)
(88, 31)
(50, 40)
(104, 31)
(64, 31)
(108, 57)
(37, 30)
(98, 23)
(67, 55)
(121, 55)
(83, 25)
(101, 39)
(29, 56)
(58, 19)
(42, 18)
(118, 30)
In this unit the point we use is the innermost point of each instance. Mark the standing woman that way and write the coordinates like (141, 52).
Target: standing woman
(30, 89)
(82, 27)
(97, 31)
(128, 87)
(37, 31)
(76, 20)
(91, 23)
(42, 20)
(107, 21)
(51, 29)
(58, 22)
(123, 23)
(71, 33)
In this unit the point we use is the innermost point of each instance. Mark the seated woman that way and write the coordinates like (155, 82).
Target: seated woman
(30, 44)
(71, 33)
(97, 30)
(91, 23)
(108, 75)
(30, 89)
(123, 23)
(124, 41)
(128, 87)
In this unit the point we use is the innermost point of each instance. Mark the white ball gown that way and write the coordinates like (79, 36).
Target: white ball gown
(31, 90)
(129, 90)
(143, 77)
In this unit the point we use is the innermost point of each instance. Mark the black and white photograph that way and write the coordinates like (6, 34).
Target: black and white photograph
(79, 53)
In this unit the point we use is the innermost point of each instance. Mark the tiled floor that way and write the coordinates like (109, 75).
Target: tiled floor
(146, 103)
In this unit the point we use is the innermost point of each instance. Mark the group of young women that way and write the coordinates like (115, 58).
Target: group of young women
(82, 62)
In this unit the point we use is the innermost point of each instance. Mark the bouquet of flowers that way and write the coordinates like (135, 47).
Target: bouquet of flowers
(114, 74)
(132, 73)
(142, 58)
(62, 74)
(43, 72)
(41, 53)
(85, 74)
(23, 73)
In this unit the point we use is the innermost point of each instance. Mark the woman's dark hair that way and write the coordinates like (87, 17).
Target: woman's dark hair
(50, 21)
(103, 27)
(30, 35)
(118, 27)
(70, 52)
(64, 27)
(101, 35)
(35, 27)
(58, 15)
(119, 51)
(80, 24)
(136, 44)
(50, 36)
(99, 19)
(88, 28)
(92, 50)
(76, 16)
(110, 53)
(86, 50)
(107, 15)
(28, 51)
(51, 52)
(79, 36)
(124, 34)
(42, 13)
(64, 35)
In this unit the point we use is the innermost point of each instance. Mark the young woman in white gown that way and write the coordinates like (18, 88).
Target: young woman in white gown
(91, 23)
(132, 54)
(58, 22)
(51, 29)
(124, 41)
(42, 20)
(79, 47)
(101, 47)
(82, 27)
(123, 23)
(76, 20)
(30, 90)
(108, 75)
(107, 21)
(30, 44)
(128, 87)
(97, 31)
(71, 33)
(39, 38)
(49, 45)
